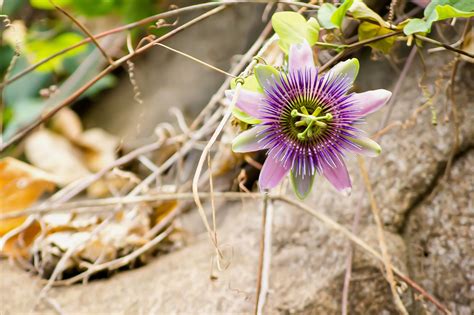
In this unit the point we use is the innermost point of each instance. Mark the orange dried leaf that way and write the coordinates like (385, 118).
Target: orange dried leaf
(20, 186)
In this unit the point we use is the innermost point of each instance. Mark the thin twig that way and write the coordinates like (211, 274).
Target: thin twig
(265, 253)
(349, 48)
(22, 133)
(85, 30)
(382, 243)
(99, 204)
(362, 244)
(196, 60)
(212, 140)
(119, 262)
(145, 21)
(448, 47)
(357, 214)
(398, 85)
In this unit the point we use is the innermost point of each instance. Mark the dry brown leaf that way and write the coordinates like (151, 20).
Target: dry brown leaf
(163, 209)
(67, 123)
(100, 148)
(19, 245)
(468, 45)
(20, 185)
(114, 182)
(55, 154)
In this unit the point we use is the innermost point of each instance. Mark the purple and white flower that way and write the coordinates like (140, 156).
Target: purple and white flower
(307, 121)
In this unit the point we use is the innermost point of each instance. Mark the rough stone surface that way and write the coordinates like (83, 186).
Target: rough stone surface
(166, 79)
(440, 238)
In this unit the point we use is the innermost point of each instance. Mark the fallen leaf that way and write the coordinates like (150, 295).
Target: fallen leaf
(19, 244)
(20, 186)
(67, 123)
(468, 46)
(55, 154)
(114, 182)
(100, 148)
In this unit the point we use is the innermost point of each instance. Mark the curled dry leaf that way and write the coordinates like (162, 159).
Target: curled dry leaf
(20, 186)
(67, 123)
(468, 45)
(117, 182)
(55, 154)
(100, 148)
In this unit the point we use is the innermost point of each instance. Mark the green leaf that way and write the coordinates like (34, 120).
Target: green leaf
(302, 186)
(360, 11)
(27, 86)
(312, 31)
(368, 30)
(134, 10)
(105, 83)
(461, 5)
(339, 14)
(95, 7)
(10, 7)
(292, 28)
(439, 10)
(23, 112)
(38, 49)
(246, 118)
(46, 5)
(265, 72)
(416, 26)
(250, 83)
(324, 15)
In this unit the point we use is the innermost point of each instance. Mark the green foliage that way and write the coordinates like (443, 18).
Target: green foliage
(95, 7)
(439, 10)
(105, 83)
(12, 6)
(361, 11)
(23, 113)
(324, 15)
(133, 10)
(46, 4)
(28, 86)
(369, 30)
(242, 116)
(38, 49)
(292, 28)
(339, 14)
(250, 83)
(130, 10)
(6, 55)
(331, 17)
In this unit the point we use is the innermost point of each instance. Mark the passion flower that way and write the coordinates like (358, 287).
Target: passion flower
(307, 121)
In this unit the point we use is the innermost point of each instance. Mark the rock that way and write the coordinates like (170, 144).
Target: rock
(166, 79)
(440, 239)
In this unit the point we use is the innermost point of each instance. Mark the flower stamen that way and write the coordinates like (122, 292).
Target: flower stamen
(314, 123)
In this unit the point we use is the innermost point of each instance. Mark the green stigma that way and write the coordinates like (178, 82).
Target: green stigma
(314, 123)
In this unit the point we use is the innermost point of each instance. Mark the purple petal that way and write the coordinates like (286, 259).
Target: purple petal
(371, 101)
(337, 174)
(248, 101)
(300, 57)
(248, 141)
(272, 173)
(302, 184)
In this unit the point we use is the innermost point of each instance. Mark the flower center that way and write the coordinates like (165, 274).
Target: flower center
(313, 123)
